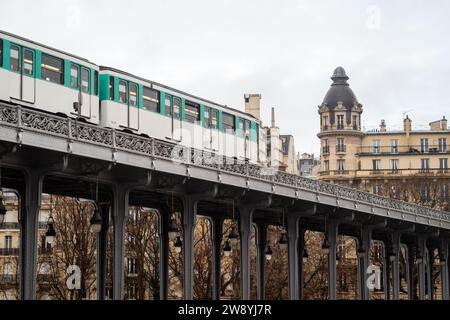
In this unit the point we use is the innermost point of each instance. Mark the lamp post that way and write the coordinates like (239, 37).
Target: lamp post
(172, 228)
(50, 234)
(178, 245)
(96, 219)
(2, 205)
(227, 248)
(268, 253)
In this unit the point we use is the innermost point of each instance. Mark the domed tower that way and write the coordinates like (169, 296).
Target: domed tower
(340, 130)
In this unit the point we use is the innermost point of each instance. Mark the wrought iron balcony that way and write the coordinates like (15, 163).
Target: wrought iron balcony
(9, 251)
(340, 148)
(326, 150)
(9, 225)
(413, 149)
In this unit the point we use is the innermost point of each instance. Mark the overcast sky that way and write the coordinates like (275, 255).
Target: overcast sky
(396, 53)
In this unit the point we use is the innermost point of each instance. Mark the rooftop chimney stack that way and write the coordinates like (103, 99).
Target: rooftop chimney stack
(407, 124)
(253, 104)
(444, 125)
(383, 126)
(273, 117)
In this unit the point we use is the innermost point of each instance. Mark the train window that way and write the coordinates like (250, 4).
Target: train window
(228, 122)
(176, 108)
(111, 88)
(52, 69)
(28, 62)
(85, 80)
(74, 75)
(192, 112)
(210, 118)
(133, 95)
(14, 58)
(1, 53)
(123, 92)
(96, 83)
(244, 128)
(168, 105)
(150, 100)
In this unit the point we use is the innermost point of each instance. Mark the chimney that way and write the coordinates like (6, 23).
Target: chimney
(444, 125)
(383, 126)
(273, 118)
(407, 124)
(252, 104)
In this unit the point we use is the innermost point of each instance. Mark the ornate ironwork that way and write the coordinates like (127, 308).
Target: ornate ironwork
(55, 125)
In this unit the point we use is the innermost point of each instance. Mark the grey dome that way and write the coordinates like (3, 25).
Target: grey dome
(340, 91)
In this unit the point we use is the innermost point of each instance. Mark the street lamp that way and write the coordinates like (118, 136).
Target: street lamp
(50, 234)
(338, 258)
(227, 248)
(96, 220)
(305, 255)
(173, 228)
(361, 252)
(178, 245)
(268, 253)
(283, 242)
(326, 245)
(233, 237)
(419, 258)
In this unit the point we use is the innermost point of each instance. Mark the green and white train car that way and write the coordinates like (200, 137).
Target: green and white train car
(37, 76)
(148, 108)
(48, 79)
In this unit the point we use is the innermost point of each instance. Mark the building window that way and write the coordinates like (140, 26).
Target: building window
(150, 100)
(355, 122)
(8, 242)
(326, 147)
(228, 122)
(444, 193)
(443, 165)
(376, 189)
(52, 69)
(326, 165)
(425, 164)
(325, 122)
(341, 166)
(376, 146)
(340, 146)
(340, 121)
(424, 145)
(394, 146)
(192, 112)
(132, 266)
(442, 145)
(395, 164)
(131, 291)
(376, 165)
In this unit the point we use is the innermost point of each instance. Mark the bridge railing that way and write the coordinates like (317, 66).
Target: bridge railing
(41, 122)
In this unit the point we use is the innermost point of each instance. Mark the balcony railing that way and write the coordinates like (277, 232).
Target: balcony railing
(428, 172)
(340, 148)
(9, 251)
(9, 225)
(8, 278)
(414, 149)
(326, 150)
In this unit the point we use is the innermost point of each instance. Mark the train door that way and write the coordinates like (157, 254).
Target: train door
(247, 139)
(85, 92)
(133, 107)
(211, 133)
(22, 80)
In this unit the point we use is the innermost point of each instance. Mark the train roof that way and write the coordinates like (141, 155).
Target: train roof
(45, 46)
(105, 68)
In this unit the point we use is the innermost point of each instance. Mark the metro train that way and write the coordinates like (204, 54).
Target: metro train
(40, 77)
